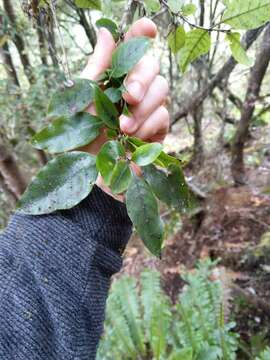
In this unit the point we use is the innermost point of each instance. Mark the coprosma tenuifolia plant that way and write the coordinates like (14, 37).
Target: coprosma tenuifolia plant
(69, 177)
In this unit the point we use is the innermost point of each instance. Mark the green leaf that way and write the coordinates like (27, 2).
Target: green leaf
(109, 25)
(197, 43)
(176, 39)
(238, 52)
(175, 5)
(121, 177)
(61, 184)
(128, 54)
(183, 354)
(247, 14)
(114, 94)
(72, 100)
(146, 154)
(152, 5)
(188, 9)
(110, 153)
(143, 211)
(88, 4)
(67, 133)
(105, 109)
(169, 186)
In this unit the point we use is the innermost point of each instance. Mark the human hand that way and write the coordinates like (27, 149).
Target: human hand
(146, 89)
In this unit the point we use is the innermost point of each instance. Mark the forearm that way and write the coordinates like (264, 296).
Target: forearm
(55, 274)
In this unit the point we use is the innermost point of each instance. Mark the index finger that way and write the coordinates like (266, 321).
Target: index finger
(142, 27)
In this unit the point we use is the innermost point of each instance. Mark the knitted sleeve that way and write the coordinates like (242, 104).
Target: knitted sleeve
(55, 274)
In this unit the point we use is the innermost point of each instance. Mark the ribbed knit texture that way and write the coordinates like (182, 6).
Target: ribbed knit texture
(55, 274)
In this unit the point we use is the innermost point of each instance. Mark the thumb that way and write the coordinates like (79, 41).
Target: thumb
(101, 58)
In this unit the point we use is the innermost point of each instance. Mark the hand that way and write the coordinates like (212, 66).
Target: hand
(146, 89)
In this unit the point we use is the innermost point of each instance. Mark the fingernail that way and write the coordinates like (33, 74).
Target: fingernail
(135, 89)
(128, 124)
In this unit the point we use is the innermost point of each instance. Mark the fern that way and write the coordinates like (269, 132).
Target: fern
(265, 355)
(146, 325)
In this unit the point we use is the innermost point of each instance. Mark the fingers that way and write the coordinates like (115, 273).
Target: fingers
(140, 78)
(142, 27)
(156, 126)
(101, 58)
(155, 97)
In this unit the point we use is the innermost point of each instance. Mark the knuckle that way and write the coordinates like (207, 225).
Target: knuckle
(163, 84)
(164, 113)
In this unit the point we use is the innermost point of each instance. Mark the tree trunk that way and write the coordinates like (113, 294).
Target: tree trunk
(198, 146)
(41, 42)
(9, 66)
(19, 42)
(11, 173)
(88, 27)
(257, 74)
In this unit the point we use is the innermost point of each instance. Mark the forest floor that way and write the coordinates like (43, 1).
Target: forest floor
(231, 224)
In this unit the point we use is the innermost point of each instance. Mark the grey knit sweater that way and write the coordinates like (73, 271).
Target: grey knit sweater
(55, 274)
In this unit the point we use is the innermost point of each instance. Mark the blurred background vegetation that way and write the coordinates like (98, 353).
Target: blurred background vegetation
(220, 129)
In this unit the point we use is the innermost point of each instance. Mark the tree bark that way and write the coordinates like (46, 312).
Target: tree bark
(11, 173)
(41, 42)
(257, 74)
(9, 66)
(196, 99)
(88, 27)
(19, 42)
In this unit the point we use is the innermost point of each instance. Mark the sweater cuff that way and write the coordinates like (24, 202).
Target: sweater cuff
(113, 226)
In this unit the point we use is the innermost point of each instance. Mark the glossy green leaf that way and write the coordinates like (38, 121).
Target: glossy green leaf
(114, 94)
(128, 54)
(169, 186)
(152, 5)
(175, 5)
(143, 211)
(238, 52)
(247, 14)
(166, 160)
(121, 177)
(176, 39)
(105, 109)
(197, 43)
(61, 184)
(109, 25)
(188, 9)
(89, 4)
(72, 100)
(110, 153)
(67, 133)
(146, 154)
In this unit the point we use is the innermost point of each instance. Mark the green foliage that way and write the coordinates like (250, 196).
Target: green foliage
(128, 54)
(145, 324)
(146, 154)
(197, 43)
(71, 100)
(152, 5)
(247, 14)
(189, 9)
(105, 109)
(265, 355)
(61, 184)
(109, 25)
(237, 50)
(143, 211)
(176, 39)
(68, 133)
(89, 4)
